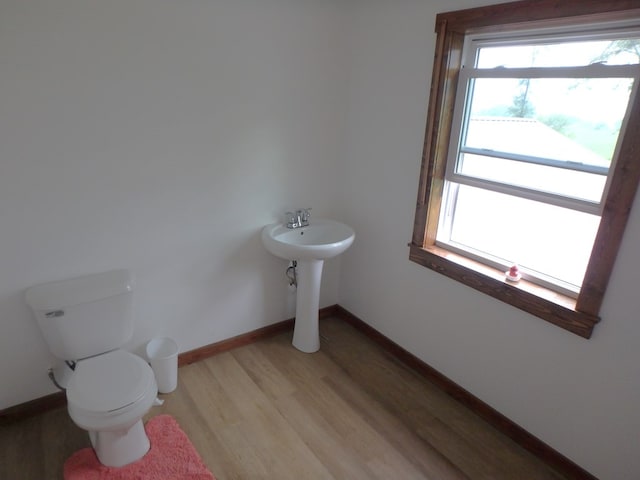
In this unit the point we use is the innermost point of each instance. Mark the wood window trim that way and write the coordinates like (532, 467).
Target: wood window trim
(580, 315)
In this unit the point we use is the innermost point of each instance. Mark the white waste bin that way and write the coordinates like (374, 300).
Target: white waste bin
(163, 357)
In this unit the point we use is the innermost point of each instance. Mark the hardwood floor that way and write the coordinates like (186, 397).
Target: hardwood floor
(267, 411)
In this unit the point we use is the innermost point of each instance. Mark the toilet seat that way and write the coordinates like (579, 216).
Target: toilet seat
(110, 385)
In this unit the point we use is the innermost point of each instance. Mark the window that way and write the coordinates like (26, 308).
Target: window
(526, 159)
(535, 128)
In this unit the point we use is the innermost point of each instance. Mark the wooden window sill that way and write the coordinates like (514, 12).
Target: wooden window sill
(539, 301)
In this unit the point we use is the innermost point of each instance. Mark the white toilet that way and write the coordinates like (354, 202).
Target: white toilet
(84, 322)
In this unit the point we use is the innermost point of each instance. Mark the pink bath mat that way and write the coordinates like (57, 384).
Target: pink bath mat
(171, 456)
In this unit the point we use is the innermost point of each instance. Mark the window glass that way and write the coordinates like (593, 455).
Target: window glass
(566, 54)
(569, 119)
(537, 236)
(531, 165)
(548, 179)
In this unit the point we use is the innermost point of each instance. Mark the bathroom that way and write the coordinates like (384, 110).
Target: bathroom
(162, 136)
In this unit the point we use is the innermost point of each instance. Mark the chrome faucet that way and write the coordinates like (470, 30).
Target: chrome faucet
(299, 218)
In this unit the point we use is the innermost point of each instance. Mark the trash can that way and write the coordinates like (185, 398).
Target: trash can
(163, 357)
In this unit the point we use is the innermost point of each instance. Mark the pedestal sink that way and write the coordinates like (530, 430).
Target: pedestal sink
(309, 246)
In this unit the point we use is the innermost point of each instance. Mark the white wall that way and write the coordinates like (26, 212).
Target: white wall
(580, 396)
(161, 136)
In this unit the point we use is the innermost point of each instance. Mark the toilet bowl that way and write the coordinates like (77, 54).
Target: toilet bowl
(108, 395)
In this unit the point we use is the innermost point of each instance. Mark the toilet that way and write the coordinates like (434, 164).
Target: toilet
(85, 321)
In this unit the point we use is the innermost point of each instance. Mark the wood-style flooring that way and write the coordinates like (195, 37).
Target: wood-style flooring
(267, 411)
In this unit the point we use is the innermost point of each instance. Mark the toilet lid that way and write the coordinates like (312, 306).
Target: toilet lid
(109, 382)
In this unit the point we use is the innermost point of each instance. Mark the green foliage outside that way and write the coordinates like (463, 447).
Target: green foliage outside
(599, 138)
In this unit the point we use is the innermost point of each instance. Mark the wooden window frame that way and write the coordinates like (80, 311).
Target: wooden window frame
(575, 315)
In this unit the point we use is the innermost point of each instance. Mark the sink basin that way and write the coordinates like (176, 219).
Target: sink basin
(320, 240)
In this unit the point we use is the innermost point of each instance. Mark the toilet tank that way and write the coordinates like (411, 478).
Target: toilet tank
(84, 316)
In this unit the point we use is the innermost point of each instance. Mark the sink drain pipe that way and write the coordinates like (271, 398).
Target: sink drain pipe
(291, 274)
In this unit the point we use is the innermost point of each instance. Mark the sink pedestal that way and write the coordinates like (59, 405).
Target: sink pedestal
(306, 333)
